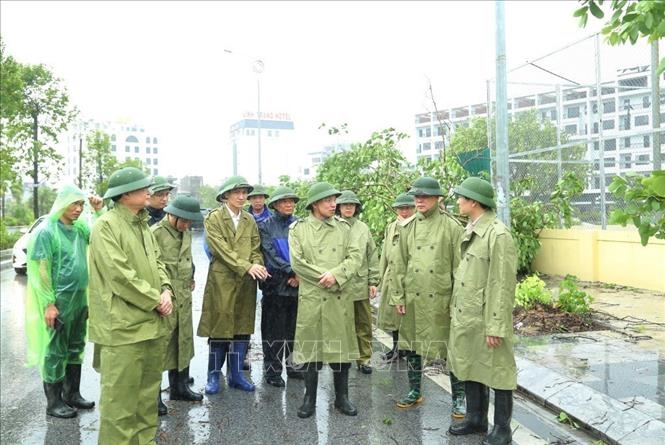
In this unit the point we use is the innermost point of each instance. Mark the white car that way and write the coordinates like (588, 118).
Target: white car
(20, 249)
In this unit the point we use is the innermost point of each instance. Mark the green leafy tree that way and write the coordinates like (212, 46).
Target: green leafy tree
(376, 171)
(208, 195)
(629, 20)
(11, 85)
(98, 161)
(43, 113)
(643, 200)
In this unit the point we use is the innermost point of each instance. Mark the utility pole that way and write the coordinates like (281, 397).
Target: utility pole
(502, 178)
(655, 106)
(35, 164)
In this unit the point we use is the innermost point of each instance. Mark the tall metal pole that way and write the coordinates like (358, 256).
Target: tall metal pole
(80, 160)
(601, 141)
(502, 178)
(258, 123)
(655, 106)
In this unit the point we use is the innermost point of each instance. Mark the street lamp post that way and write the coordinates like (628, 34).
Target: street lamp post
(257, 67)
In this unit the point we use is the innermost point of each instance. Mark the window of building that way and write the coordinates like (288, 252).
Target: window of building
(647, 141)
(610, 144)
(126, 148)
(571, 129)
(438, 145)
(646, 101)
(594, 108)
(419, 149)
(154, 150)
(596, 146)
(147, 140)
(269, 133)
(113, 147)
(147, 161)
(626, 142)
(643, 160)
(596, 182)
(154, 140)
(305, 171)
(113, 137)
(155, 171)
(316, 160)
(428, 132)
(625, 160)
(609, 162)
(595, 127)
(553, 115)
(608, 124)
(427, 146)
(641, 121)
(131, 139)
(624, 123)
(147, 149)
(573, 112)
(136, 149)
(609, 106)
(155, 161)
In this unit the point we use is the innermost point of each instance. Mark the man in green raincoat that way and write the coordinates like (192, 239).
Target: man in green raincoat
(175, 243)
(387, 318)
(130, 294)
(481, 334)
(325, 259)
(363, 287)
(423, 285)
(57, 301)
(229, 299)
(160, 191)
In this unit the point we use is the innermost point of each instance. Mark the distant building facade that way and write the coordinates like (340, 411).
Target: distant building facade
(316, 158)
(277, 139)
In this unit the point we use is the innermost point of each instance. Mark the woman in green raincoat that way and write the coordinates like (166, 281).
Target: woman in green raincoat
(57, 301)
(481, 335)
(387, 318)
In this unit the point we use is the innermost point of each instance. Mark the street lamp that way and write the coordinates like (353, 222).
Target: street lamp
(258, 67)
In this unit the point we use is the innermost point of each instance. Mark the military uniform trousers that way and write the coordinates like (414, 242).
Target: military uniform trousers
(363, 321)
(130, 378)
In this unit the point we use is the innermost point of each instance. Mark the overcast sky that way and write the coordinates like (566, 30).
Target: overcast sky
(163, 64)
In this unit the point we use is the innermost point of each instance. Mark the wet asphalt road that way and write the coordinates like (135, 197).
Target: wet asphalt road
(267, 415)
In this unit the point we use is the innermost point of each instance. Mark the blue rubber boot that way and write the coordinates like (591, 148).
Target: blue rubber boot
(236, 378)
(215, 362)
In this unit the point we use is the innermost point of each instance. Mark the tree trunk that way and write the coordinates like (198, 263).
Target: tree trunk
(35, 165)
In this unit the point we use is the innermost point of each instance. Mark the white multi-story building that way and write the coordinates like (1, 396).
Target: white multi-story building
(316, 158)
(128, 141)
(277, 140)
(624, 124)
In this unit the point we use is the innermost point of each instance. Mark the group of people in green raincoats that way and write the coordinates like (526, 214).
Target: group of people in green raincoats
(446, 293)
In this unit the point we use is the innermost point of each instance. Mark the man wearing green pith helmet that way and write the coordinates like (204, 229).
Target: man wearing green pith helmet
(130, 294)
(423, 285)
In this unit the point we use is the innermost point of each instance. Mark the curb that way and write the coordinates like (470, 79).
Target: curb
(609, 419)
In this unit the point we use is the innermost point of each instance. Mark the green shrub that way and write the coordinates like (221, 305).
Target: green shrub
(571, 298)
(530, 291)
(7, 240)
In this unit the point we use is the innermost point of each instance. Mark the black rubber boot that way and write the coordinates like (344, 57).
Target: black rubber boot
(503, 411)
(162, 409)
(71, 389)
(393, 354)
(54, 404)
(179, 388)
(311, 375)
(341, 381)
(477, 404)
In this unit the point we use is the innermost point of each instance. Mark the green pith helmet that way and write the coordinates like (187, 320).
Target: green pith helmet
(234, 182)
(425, 186)
(160, 183)
(258, 191)
(477, 189)
(404, 200)
(126, 180)
(319, 191)
(185, 207)
(348, 197)
(282, 192)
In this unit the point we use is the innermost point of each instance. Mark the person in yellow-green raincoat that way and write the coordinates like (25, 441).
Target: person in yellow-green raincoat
(325, 258)
(130, 294)
(423, 285)
(364, 286)
(386, 318)
(481, 334)
(175, 243)
(57, 301)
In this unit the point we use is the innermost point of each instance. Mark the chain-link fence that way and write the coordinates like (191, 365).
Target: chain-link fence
(587, 108)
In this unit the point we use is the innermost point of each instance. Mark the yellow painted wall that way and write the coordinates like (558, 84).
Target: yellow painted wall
(610, 256)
